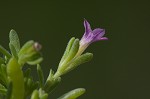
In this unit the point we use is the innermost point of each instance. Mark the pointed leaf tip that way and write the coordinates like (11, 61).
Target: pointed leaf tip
(73, 94)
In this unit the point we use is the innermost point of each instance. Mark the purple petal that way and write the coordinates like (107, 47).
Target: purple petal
(100, 39)
(104, 38)
(98, 31)
(87, 27)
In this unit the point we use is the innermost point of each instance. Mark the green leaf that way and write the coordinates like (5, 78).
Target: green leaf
(14, 40)
(67, 49)
(5, 52)
(51, 82)
(29, 82)
(77, 61)
(42, 94)
(13, 50)
(3, 75)
(73, 51)
(35, 85)
(39, 94)
(2, 60)
(27, 73)
(13, 69)
(73, 94)
(70, 56)
(9, 91)
(40, 75)
(3, 90)
(35, 95)
(29, 85)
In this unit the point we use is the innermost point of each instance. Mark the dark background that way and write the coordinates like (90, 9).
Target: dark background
(120, 68)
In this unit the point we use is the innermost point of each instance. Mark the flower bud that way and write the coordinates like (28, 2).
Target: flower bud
(29, 53)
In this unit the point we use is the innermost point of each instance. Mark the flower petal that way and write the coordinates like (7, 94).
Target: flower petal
(104, 38)
(87, 27)
(98, 31)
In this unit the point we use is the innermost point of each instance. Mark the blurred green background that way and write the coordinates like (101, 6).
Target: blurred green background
(120, 68)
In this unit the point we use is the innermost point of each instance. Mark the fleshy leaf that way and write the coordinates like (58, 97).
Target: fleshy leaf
(77, 61)
(39, 94)
(40, 75)
(3, 90)
(13, 50)
(73, 94)
(70, 56)
(5, 52)
(13, 69)
(42, 94)
(3, 75)
(30, 85)
(67, 49)
(35, 94)
(51, 82)
(9, 91)
(14, 40)
(2, 60)
(73, 51)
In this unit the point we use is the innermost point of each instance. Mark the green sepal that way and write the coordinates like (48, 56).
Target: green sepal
(5, 52)
(14, 40)
(25, 47)
(77, 61)
(36, 61)
(25, 58)
(29, 53)
(72, 52)
(67, 49)
(40, 75)
(73, 94)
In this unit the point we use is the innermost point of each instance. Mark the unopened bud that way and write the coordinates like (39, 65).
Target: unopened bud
(37, 46)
